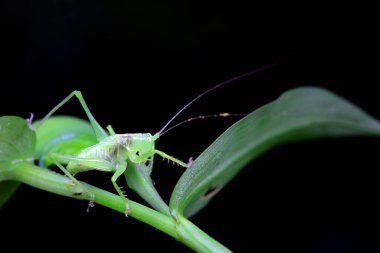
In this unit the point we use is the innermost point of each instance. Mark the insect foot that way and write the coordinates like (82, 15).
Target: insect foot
(91, 203)
(189, 162)
(29, 121)
(127, 210)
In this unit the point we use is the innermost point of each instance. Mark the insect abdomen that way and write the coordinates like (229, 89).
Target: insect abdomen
(102, 156)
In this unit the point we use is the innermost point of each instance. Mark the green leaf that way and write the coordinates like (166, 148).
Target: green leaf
(139, 179)
(300, 114)
(65, 135)
(7, 188)
(17, 144)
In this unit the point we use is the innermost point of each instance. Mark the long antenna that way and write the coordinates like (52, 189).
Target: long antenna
(252, 72)
(217, 115)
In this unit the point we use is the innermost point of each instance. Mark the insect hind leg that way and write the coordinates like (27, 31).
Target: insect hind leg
(98, 130)
(84, 189)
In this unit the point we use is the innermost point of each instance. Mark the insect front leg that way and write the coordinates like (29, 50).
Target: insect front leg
(170, 158)
(120, 169)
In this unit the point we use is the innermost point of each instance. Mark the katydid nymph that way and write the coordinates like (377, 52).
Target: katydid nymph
(113, 152)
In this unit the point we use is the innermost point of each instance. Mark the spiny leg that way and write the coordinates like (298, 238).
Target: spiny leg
(95, 164)
(92, 198)
(121, 167)
(173, 159)
(99, 131)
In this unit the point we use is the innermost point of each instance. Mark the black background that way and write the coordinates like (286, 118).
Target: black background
(139, 63)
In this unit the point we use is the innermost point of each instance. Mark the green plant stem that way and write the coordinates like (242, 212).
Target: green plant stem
(181, 228)
(197, 239)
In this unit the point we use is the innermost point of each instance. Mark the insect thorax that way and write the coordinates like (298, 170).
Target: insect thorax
(139, 146)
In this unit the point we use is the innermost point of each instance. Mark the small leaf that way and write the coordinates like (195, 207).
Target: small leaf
(17, 137)
(139, 179)
(17, 144)
(299, 114)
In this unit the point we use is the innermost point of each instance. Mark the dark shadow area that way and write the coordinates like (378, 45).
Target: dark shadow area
(138, 63)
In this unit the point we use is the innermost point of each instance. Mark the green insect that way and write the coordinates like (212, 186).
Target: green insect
(110, 152)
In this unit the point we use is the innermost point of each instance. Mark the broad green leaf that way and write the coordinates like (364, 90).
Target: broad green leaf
(300, 114)
(17, 144)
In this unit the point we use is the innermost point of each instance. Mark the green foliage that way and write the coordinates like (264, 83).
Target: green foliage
(139, 179)
(299, 114)
(17, 145)
(7, 188)
(62, 135)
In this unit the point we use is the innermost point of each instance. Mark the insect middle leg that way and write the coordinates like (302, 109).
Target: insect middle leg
(120, 169)
(77, 164)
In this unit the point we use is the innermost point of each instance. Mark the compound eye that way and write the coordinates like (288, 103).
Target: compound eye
(137, 153)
